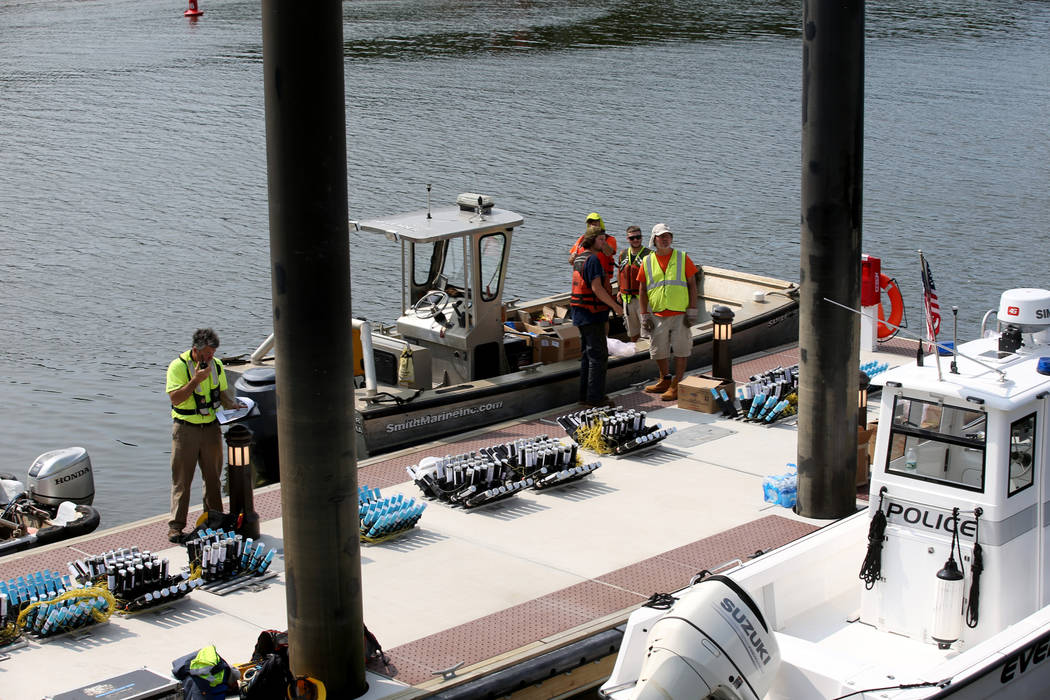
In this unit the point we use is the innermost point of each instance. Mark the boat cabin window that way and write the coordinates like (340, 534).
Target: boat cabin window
(938, 442)
(1022, 453)
(426, 263)
(454, 268)
(492, 247)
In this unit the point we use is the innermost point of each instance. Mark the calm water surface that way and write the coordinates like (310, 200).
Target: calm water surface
(133, 169)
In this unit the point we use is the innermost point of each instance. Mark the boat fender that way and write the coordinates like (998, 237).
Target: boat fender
(406, 369)
(947, 602)
(892, 324)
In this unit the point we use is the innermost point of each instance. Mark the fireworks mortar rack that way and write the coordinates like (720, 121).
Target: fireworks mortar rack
(773, 395)
(46, 603)
(499, 471)
(615, 431)
(217, 556)
(384, 519)
(137, 579)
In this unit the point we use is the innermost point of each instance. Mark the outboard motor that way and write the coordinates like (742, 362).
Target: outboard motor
(62, 475)
(713, 643)
(260, 385)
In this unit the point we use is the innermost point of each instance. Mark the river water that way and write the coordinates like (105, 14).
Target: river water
(133, 169)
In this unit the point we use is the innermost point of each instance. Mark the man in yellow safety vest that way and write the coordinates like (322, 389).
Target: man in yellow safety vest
(668, 298)
(196, 385)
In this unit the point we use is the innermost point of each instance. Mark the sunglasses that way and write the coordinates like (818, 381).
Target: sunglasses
(635, 238)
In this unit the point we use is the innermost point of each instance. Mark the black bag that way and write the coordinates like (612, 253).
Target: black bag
(270, 678)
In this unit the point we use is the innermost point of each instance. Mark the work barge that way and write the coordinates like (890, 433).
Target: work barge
(525, 597)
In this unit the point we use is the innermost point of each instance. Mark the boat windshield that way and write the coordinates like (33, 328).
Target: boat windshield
(491, 247)
(935, 441)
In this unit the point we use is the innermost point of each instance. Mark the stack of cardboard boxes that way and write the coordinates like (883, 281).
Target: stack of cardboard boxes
(552, 336)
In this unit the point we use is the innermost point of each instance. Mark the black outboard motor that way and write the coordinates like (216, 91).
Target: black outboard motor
(62, 475)
(260, 385)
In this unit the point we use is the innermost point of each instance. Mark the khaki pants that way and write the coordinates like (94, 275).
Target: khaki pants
(191, 444)
(632, 319)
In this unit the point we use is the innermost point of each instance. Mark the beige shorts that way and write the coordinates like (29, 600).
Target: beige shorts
(671, 335)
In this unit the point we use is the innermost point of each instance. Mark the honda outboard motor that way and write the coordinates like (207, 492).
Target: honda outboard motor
(713, 643)
(62, 475)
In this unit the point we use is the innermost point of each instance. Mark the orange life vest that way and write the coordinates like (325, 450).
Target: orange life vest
(629, 268)
(582, 294)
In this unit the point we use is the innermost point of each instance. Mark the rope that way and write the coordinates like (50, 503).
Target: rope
(93, 592)
(8, 634)
(871, 569)
(589, 437)
(975, 575)
(659, 601)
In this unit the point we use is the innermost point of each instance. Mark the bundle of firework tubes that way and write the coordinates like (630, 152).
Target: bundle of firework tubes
(493, 473)
(137, 579)
(384, 518)
(765, 398)
(46, 603)
(773, 395)
(612, 430)
(224, 556)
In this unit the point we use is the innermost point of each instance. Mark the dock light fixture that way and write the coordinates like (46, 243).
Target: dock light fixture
(862, 403)
(721, 364)
(239, 479)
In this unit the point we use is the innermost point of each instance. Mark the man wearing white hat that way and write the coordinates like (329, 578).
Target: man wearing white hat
(667, 293)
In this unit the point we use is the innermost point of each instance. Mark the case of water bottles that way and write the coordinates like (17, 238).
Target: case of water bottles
(781, 489)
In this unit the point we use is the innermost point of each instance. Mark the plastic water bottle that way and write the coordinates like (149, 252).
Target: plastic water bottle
(911, 461)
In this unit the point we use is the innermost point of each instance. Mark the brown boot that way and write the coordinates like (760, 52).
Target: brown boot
(661, 386)
(672, 392)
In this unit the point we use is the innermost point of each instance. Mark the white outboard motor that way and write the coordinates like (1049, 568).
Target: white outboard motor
(62, 475)
(713, 643)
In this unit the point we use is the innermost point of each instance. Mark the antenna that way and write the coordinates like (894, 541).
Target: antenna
(1001, 373)
(954, 367)
(428, 200)
(480, 214)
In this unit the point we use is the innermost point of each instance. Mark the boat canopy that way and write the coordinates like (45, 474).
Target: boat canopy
(454, 263)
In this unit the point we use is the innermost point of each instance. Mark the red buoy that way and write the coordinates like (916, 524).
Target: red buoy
(193, 11)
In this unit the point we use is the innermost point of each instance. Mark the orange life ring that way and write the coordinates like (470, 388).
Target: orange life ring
(888, 286)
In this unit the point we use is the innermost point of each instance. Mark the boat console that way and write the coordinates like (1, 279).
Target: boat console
(453, 267)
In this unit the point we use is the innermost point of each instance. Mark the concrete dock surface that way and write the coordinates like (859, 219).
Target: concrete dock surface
(487, 587)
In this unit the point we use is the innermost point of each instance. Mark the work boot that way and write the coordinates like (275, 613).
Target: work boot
(661, 385)
(175, 536)
(672, 391)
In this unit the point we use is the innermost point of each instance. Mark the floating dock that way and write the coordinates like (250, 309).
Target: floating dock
(471, 595)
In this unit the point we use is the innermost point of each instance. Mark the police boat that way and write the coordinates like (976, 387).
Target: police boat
(941, 587)
(460, 357)
(53, 504)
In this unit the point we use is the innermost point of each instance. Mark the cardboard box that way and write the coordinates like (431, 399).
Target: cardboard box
(554, 343)
(694, 392)
(865, 439)
(556, 311)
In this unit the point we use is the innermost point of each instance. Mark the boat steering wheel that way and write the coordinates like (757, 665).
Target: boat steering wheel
(431, 304)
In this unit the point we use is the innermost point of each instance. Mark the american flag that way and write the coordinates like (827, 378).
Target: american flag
(933, 310)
